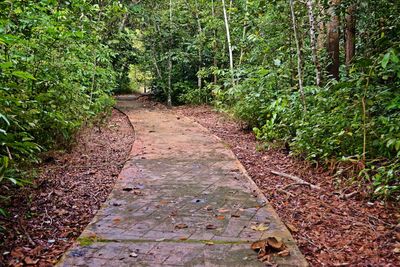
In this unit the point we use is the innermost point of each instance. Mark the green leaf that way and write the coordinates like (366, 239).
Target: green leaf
(3, 212)
(385, 60)
(6, 65)
(4, 118)
(14, 181)
(397, 146)
(23, 74)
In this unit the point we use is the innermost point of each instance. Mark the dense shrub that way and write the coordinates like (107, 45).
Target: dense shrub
(57, 71)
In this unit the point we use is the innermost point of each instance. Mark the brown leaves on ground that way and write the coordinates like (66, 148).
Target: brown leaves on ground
(47, 216)
(181, 226)
(330, 229)
(269, 247)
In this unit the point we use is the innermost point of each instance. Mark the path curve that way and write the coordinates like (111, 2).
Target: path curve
(182, 199)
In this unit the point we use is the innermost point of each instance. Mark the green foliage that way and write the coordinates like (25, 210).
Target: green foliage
(59, 64)
(354, 119)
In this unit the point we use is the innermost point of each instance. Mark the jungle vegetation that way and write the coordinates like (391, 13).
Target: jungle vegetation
(320, 78)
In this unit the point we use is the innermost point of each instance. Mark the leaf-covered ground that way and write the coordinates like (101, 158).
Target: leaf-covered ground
(330, 229)
(48, 216)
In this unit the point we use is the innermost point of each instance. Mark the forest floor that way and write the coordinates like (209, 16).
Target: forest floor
(331, 226)
(46, 217)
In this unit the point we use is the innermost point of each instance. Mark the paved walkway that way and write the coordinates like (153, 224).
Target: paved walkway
(182, 199)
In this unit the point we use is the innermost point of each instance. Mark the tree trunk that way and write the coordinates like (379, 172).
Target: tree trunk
(314, 42)
(200, 30)
(215, 61)
(350, 44)
(244, 33)
(321, 39)
(169, 98)
(228, 37)
(299, 55)
(333, 39)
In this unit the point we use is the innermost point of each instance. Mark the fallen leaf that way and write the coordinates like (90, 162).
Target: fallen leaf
(381, 228)
(220, 217)
(127, 189)
(211, 227)
(260, 227)
(223, 210)
(17, 253)
(292, 228)
(284, 253)
(181, 226)
(208, 207)
(265, 258)
(275, 243)
(258, 245)
(397, 237)
(29, 261)
(183, 238)
(116, 220)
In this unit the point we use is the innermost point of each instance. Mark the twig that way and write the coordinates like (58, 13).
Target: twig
(380, 220)
(297, 179)
(30, 240)
(295, 184)
(285, 192)
(349, 195)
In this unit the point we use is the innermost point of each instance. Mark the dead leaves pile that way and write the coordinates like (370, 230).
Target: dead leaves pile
(268, 247)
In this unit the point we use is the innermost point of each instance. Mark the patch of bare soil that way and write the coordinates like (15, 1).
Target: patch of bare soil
(332, 227)
(49, 215)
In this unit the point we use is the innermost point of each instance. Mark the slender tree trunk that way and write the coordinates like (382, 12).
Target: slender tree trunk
(215, 61)
(333, 39)
(200, 30)
(299, 55)
(321, 39)
(169, 99)
(228, 37)
(244, 33)
(156, 64)
(314, 42)
(350, 44)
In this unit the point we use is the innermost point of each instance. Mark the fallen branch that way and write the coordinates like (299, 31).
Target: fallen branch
(349, 195)
(296, 179)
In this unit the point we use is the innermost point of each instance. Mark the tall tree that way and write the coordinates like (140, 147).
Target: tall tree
(228, 37)
(244, 31)
(313, 41)
(169, 97)
(333, 38)
(299, 54)
(350, 43)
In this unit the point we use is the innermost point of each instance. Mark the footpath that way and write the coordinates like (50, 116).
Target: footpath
(182, 199)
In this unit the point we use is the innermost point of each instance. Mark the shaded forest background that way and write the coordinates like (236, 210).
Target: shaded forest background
(317, 78)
